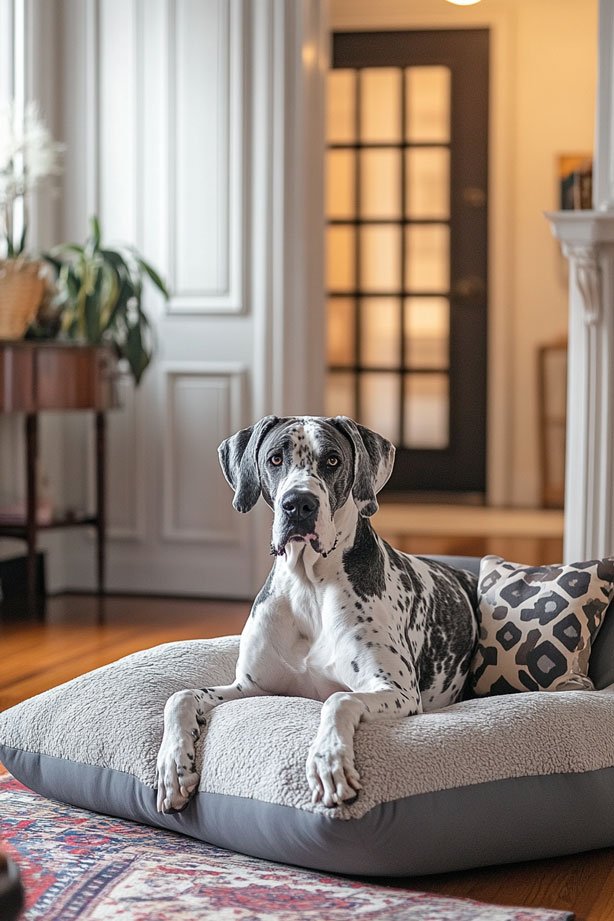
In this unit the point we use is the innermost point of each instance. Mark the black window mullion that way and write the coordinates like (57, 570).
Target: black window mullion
(403, 268)
(394, 222)
(376, 145)
(386, 369)
(357, 292)
(357, 260)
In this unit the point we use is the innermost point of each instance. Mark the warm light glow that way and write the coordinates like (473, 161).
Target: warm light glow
(309, 54)
(464, 2)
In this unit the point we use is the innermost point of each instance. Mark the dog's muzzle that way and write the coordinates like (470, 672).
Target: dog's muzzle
(300, 509)
(297, 518)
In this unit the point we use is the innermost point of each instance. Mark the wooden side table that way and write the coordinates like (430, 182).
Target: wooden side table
(552, 414)
(38, 376)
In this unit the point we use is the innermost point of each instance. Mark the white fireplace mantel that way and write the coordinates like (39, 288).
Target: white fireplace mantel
(587, 240)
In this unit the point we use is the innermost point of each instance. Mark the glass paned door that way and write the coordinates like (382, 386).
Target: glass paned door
(406, 247)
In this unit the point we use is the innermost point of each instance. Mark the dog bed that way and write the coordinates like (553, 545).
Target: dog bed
(485, 781)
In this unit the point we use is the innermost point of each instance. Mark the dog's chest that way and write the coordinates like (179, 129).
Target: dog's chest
(312, 653)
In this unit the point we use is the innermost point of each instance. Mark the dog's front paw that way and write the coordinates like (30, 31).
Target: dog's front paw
(332, 776)
(176, 775)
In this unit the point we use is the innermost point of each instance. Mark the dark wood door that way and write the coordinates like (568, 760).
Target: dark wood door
(407, 175)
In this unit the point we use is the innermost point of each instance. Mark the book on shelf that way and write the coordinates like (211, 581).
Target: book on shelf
(576, 188)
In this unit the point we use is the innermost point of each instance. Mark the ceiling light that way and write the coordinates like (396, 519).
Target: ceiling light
(464, 2)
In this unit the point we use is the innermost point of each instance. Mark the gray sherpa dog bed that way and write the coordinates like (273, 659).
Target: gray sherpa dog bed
(485, 781)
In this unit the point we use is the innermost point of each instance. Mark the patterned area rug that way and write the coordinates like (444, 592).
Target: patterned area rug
(78, 865)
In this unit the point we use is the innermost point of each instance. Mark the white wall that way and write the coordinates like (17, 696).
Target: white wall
(555, 74)
(543, 85)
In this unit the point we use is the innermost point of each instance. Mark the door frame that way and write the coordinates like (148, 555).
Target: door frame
(363, 15)
(460, 465)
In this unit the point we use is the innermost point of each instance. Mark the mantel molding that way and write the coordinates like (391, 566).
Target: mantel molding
(588, 278)
(582, 227)
(584, 237)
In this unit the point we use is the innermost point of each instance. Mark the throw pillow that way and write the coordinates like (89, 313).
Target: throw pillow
(537, 623)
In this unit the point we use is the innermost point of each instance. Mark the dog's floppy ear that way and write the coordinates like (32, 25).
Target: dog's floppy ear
(239, 459)
(373, 463)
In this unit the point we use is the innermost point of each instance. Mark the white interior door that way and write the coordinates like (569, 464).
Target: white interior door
(192, 153)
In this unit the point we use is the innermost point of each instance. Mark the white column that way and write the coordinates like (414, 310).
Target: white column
(603, 167)
(587, 240)
(288, 70)
(290, 61)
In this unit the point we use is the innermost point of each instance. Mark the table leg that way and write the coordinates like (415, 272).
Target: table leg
(31, 503)
(101, 502)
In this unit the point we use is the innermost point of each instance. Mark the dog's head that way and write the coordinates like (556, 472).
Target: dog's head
(307, 468)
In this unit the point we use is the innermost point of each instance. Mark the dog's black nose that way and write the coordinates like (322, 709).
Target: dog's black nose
(300, 505)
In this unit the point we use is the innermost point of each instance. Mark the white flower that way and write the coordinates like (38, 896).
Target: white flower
(28, 154)
(7, 138)
(41, 154)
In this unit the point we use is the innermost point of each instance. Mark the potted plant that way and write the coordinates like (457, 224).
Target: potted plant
(28, 155)
(100, 297)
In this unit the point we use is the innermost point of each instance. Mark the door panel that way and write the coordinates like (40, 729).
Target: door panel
(407, 248)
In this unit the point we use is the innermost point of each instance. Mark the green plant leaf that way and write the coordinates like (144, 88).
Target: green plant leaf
(52, 260)
(92, 309)
(95, 232)
(72, 282)
(102, 289)
(117, 264)
(125, 288)
(92, 243)
(136, 352)
(153, 275)
(66, 248)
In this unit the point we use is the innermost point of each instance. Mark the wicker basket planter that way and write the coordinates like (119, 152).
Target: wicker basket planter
(22, 287)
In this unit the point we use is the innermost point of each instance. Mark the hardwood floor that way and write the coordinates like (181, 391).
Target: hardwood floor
(37, 656)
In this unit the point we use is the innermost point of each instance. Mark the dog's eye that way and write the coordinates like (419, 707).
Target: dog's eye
(276, 460)
(332, 461)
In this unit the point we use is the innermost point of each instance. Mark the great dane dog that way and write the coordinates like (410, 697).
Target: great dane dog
(342, 617)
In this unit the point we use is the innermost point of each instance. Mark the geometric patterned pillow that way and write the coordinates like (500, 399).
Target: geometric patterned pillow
(536, 625)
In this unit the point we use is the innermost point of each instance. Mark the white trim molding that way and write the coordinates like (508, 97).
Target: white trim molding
(227, 376)
(7, 47)
(585, 260)
(587, 240)
(288, 53)
(603, 168)
(227, 294)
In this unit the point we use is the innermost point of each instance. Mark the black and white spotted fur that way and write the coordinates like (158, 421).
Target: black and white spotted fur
(342, 618)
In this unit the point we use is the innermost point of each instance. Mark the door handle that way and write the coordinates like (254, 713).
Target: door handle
(469, 288)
